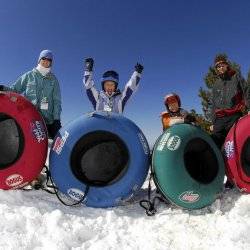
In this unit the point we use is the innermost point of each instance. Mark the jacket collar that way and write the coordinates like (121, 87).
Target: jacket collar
(49, 75)
(116, 93)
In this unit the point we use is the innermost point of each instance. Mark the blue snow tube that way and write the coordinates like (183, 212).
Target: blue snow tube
(104, 153)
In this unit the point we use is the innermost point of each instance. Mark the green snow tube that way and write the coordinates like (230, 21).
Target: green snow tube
(188, 167)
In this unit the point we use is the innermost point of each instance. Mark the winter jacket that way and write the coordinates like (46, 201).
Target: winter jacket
(115, 103)
(230, 95)
(169, 119)
(42, 91)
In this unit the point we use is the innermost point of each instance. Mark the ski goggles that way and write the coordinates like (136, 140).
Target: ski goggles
(46, 59)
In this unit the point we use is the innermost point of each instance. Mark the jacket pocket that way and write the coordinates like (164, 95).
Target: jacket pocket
(31, 89)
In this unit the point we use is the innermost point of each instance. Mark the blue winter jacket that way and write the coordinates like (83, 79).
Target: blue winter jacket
(43, 91)
(115, 103)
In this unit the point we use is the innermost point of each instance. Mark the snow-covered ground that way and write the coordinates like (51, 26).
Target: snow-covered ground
(37, 220)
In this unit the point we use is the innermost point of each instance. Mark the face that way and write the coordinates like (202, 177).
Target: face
(46, 63)
(109, 87)
(173, 106)
(221, 68)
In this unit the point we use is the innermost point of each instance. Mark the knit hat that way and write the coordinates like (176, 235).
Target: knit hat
(110, 75)
(220, 59)
(47, 54)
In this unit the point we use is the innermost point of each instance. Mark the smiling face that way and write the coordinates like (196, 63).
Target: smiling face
(109, 87)
(173, 106)
(172, 102)
(221, 68)
(45, 62)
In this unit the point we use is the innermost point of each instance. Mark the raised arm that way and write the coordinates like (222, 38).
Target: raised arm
(132, 84)
(88, 82)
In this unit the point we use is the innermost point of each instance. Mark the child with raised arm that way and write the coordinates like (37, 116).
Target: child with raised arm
(110, 98)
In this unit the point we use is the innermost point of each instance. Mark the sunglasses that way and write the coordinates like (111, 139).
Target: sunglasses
(220, 65)
(47, 59)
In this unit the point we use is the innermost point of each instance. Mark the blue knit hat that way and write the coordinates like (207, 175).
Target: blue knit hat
(110, 75)
(47, 54)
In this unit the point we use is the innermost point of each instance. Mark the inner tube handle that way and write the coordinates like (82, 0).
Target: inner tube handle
(99, 115)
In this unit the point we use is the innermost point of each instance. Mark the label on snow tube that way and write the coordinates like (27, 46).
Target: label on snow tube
(173, 142)
(14, 180)
(143, 143)
(189, 197)
(75, 194)
(38, 130)
(59, 143)
(163, 142)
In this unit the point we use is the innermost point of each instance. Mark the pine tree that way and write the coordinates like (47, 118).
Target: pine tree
(200, 120)
(248, 77)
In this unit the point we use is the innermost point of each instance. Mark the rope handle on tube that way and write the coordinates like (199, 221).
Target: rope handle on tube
(56, 191)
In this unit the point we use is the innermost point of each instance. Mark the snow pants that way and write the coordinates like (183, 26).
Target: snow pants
(222, 125)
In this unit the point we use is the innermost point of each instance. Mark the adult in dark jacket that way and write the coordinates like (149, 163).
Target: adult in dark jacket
(230, 97)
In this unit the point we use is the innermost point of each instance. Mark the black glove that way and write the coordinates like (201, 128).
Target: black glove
(189, 118)
(57, 125)
(89, 63)
(2, 87)
(53, 128)
(139, 68)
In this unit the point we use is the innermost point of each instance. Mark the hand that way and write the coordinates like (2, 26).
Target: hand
(247, 112)
(211, 128)
(189, 118)
(89, 63)
(53, 128)
(139, 68)
(57, 124)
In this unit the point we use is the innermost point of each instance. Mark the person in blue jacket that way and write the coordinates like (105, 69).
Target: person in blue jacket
(110, 98)
(41, 88)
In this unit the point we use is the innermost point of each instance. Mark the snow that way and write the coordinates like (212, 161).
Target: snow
(37, 220)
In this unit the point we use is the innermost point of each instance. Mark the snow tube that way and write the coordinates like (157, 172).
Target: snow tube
(187, 166)
(23, 141)
(103, 152)
(237, 154)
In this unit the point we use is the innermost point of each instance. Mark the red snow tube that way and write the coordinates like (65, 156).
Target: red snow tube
(23, 141)
(237, 154)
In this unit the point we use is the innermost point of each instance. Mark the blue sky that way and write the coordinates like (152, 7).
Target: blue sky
(175, 41)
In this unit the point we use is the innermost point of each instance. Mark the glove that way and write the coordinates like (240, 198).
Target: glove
(139, 68)
(57, 125)
(89, 63)
(211, 128)
(2, 87)
(189, 118)
(53, 128)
